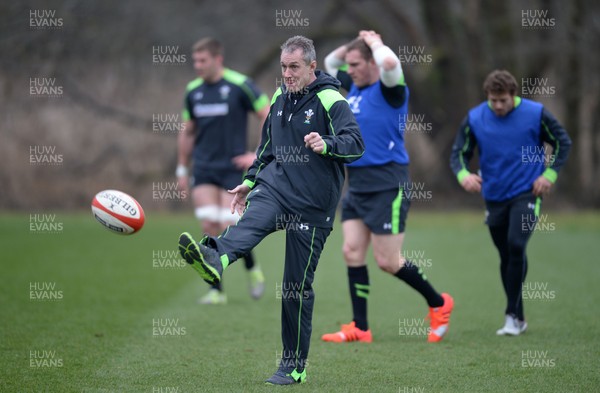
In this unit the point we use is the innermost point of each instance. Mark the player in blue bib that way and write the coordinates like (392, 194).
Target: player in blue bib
(515, 172)
(375, 206)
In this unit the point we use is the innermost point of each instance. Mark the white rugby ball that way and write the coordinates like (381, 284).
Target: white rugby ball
(118, 212)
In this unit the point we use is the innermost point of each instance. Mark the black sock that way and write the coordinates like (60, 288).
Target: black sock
(516, 275)
(414, 277)
(219, 286)
(358, 278)
(249, 260)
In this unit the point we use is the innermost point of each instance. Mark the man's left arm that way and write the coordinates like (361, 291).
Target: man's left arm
(555, 135)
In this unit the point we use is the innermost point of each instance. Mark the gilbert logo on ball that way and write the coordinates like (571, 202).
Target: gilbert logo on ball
(117, 211)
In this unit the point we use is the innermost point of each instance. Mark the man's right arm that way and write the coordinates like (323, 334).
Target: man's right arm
(554, 134)
(343, 140)
(462, 152)
(264, 152)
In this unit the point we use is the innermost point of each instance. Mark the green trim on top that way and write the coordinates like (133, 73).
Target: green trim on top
(553, 138)
(312, 242)
(224, 233)
(463, 150)
(246, 89)
(462, 174)
(260, 167)
(259, 155)
(193, 84)
(261, 102)
(401, 81)
(185, 114)
(396, 206)
(239, 80)
(332, 154)
(538, 204)
(516, 102)
(248, 183)
(234, 77)
(344, 68)
(224, 261)
(551, 175)
(328, 97)
(275, 95)
(331, 126)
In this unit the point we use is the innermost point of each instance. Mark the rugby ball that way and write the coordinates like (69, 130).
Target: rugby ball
(118, 212)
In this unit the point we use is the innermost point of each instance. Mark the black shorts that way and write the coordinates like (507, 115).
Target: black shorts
(383, 212)
(226, 179)
(524, 207)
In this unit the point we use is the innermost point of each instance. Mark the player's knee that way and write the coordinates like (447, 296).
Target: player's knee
(516, 250)
(352, 254)
(387, 263)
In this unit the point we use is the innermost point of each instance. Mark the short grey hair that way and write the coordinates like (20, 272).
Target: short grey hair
(302, 43)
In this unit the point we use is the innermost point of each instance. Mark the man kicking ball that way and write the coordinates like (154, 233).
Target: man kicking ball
(309, 117)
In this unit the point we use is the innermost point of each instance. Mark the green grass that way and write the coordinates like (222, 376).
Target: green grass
(101, 330)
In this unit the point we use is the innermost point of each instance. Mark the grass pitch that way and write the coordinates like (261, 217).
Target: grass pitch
(85, 310)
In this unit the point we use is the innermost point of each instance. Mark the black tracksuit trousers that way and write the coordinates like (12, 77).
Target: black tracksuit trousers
(264, 215)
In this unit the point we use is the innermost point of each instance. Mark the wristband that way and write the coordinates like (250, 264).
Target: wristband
(181, 171)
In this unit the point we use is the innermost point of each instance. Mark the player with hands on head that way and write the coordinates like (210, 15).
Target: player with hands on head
(375, 206)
